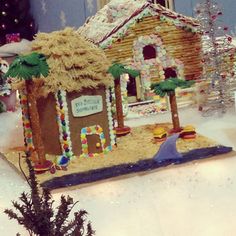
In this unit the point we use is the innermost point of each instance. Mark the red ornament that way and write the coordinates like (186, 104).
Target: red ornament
(213, 17)
(229, 39)
(12, 38)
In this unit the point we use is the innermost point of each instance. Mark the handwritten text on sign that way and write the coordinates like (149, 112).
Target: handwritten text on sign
(86, 105)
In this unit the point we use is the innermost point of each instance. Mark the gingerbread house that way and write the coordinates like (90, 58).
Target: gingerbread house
(74, 100)
(148, 37)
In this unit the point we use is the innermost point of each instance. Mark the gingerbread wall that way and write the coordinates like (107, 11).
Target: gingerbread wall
(179, 44)
(48, 123)
(77, 123)
(50, 130)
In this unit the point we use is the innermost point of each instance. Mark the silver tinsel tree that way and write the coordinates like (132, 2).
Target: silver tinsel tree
(217, 58)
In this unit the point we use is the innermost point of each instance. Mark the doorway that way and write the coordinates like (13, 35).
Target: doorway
(134, 89)
(94, 143)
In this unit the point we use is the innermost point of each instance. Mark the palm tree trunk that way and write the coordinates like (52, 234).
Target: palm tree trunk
(34, 122)
(174, 112)
(119, 108)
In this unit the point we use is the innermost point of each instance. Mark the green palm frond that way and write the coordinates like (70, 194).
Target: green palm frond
(43, 66)
(131, 72)
(31, 59)
(159, 92)
(168, 85)
(118, 69)
(28, 66)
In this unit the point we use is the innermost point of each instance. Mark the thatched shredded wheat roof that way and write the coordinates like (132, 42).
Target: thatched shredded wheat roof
(74, 62)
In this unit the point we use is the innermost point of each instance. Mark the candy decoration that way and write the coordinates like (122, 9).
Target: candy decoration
(62, 161)
(64, 129)
(110, 120)
(26, 121)
(95, 129)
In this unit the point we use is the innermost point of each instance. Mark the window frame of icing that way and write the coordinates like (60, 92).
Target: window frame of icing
(162, 60)
(97, 130)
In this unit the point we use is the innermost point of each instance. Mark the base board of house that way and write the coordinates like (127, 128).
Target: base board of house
(126, 170)
(124, 161)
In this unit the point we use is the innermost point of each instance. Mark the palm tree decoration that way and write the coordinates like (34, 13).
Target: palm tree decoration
(116, 70)
(168, 87)
(26, 68)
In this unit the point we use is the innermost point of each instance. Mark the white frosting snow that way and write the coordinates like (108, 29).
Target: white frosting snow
(15, 48)
(110, 16)
(117, 12)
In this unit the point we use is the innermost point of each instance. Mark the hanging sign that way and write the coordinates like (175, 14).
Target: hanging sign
(86, 105)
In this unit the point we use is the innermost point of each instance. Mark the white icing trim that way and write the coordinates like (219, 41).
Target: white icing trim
(67, 126)
(147, 11)
(110, 121)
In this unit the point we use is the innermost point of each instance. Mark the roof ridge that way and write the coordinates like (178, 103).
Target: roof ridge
(115, 15)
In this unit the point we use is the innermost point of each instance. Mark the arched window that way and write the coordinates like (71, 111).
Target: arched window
(149, 52)
(170, 72)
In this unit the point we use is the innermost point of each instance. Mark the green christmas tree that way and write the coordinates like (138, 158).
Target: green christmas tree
(15, 17)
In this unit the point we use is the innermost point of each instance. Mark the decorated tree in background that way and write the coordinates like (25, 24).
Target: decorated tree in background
(217, 57)
(36, 213)
(15, 17)
(167, 87)
(116, 70)
(30, 68)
